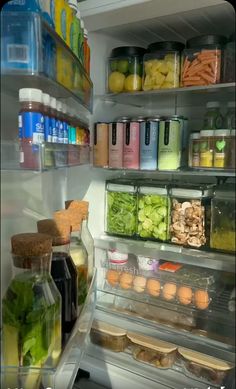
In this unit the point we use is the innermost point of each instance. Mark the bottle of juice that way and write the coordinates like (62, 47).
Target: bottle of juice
(73, 22)
(61, 16)
(86, 52)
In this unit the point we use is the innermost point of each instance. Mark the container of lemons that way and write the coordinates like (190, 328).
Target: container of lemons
(125, 69)
(162, 65)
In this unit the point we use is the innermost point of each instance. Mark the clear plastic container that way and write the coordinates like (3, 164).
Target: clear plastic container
(194, 150)
(121, 208)
(190, 215)
(221, 148)
(204, 367)
(229, 60)
(223, 235)
(125, 69)
(202, 60)
(108, 336)
(152, 351)
(206, 148)
(162, 65)
(153, 212)
(212, 118)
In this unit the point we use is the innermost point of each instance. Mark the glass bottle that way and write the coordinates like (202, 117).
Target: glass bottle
(31, 311)
(62, 270)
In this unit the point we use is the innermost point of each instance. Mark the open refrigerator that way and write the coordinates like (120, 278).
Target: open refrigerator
(30, 195)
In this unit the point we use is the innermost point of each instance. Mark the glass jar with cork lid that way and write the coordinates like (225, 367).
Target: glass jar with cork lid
(31, 320)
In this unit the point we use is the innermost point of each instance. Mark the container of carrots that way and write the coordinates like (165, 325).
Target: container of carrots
(202, 60)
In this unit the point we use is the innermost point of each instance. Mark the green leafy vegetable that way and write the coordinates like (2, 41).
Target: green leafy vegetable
(121, 213)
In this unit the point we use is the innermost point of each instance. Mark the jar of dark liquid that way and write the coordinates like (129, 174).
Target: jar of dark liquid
(31, 313)
(62, 270)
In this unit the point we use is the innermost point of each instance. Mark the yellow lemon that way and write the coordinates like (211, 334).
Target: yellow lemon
(116, 82)
(133, 83)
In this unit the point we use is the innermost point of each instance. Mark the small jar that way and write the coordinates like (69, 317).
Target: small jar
(221, 148)
(202, 60)
(229, 60)
(232, 160)
(206, 148)
(125, 68)
(194, 150)
(162, 65)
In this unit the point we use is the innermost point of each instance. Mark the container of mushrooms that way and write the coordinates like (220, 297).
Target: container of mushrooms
(190, 215)
(204, 367)
(152, 351)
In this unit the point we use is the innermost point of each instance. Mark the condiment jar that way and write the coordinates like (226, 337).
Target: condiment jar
(206, 148)
(194, 150)
(202, 60)
(229, 60)
(125, 68)
(162, 65)
(221, 148)
(31, 320)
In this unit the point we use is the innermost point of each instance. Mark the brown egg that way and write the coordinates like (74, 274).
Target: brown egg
(184, 294)
(126, 280)
(153, 287)
(112, 277)
(201, 299)
(169, 291)
(139, 284)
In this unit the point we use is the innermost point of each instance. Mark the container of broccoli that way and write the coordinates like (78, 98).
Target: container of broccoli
(153, 213)
(121, 208)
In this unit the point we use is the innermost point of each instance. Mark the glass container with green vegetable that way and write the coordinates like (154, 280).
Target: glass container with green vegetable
(153, 212)
(31, 313)
(121, 208)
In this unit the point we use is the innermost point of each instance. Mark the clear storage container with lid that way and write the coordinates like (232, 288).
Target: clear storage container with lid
(206, 148)
(153, 212)
(31, 312)
(125, 69)
(221, 148)
(108, 336)
(121, 207)
(152, 351)
(194, 150)
(162, 65)
(202, 60)
(190, 214)
(229, 60)
(223, 236)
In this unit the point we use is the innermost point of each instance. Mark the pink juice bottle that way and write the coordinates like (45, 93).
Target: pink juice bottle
(131, 144)
(116, 136)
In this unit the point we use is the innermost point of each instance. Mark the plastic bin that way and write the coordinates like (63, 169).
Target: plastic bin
(202, 60)
(162, 65)
(121, 208)
(108, 336)
(223, 236)
(152, 351)
(190, 215)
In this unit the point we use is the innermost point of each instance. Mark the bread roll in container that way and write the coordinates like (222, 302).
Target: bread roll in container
(152, 351)
(108, 336)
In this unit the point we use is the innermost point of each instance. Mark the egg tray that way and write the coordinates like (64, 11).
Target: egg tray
(168, 291)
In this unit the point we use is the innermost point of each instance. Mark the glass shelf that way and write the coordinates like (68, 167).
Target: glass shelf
(42, 157)
(33, 55)
(208, 172)
(179, 96)
(173, 253)
(64, 374)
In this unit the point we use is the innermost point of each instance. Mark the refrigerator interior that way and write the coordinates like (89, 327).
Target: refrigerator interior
(28, 196)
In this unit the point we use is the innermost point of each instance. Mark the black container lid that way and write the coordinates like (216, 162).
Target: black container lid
(206, 40)
(128, 51)
(166, 45)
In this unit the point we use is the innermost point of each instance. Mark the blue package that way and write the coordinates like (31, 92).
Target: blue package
(149, 131)
(54, 130)
(60, 131)
(65, 130)
(33, 126)
(47, 129)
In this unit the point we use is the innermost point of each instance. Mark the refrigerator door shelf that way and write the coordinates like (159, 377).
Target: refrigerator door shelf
(64, 374)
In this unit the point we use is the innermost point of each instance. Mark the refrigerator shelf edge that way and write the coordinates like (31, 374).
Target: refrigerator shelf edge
(173, 253)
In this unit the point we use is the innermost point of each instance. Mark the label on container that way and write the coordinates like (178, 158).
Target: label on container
(60, 129)
(72, 135)
(100, 145)
(206, 153)
(20, 129)
(196, 153)
(148, 145)
(131, 145)
(47, 129)
(65, 133)
(116, 135)
(33, 126)
(53, 130)
(169, 150)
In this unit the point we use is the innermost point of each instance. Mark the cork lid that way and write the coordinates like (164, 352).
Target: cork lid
(107, 328)
(80, 205)
(204, 359)
(75, 218)
(57, 229)
(31, 244)
(152, 343)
